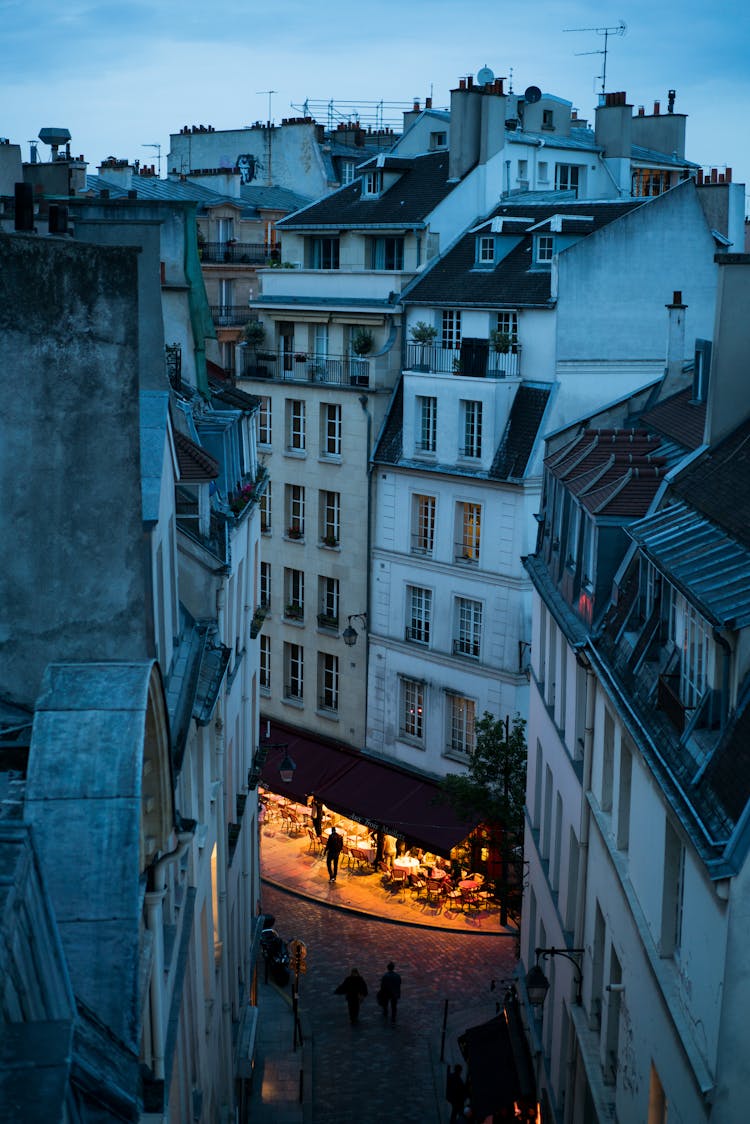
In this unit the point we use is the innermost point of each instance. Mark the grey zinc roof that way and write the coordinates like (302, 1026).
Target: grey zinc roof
(651, 156)
(701, 559)
(514, 281)
(579, 138)
(421, 186)
(277, 198)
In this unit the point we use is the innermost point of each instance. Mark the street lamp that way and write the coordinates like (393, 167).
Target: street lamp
(350, 634)
(287, 766)
(537, 984)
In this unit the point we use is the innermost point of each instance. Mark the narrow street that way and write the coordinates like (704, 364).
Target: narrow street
(376, 1072)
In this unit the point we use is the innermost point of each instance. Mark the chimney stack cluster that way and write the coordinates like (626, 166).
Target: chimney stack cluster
(713, 175)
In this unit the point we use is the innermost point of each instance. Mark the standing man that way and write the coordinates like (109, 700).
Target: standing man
(355, 990)
(333, 846)
(455, 1093)
(390, 989)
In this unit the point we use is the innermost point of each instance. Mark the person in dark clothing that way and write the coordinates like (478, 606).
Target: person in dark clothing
(390, 991)
(354, 989)
(316, 815)
(333, 846)
(455, 1093)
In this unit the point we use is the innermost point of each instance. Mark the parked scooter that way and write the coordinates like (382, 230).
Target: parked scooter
(275, 952)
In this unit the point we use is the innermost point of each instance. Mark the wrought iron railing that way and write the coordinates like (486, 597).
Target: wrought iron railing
(474, 362)
(231, 315)
(239, 253)
(300, 366)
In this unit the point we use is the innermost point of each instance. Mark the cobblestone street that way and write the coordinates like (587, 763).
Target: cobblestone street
(376, 1072)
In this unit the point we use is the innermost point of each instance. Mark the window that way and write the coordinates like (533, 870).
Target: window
(265, 510)
(672, 892)
(461, 716)
(294, 672)
(347, 171)
(544, 248)
(330, 517)
(373, 183)
(506, 323)
(265, 662)
(386, 253)
(412, 709)
(548, 119)
(320, 342)
(542, 170)
(472, 427)
(328, 681)
(485, 250)
(418, 614)
(423, 525)
(265, 585)
(623, 797)
(567, 177)
(295, 511)
(295, 425)
(328, 598)
(323, 253)
(649, 181)
(264, 421)
(450, 335)
(438, 140)
(294, 594)
(468, 531)
(427, 424)
(608, 761)
(692, 634)
(468, 627)
(330, 424)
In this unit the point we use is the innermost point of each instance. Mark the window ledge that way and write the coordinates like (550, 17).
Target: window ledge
(330, 458)
(298, 704)
(296, 454)
(331, 715)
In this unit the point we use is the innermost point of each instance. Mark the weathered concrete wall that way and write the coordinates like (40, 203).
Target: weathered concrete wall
(72, 575)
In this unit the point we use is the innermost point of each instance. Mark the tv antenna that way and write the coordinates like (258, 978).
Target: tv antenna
(158, 156)
(270, 95)
(619, 30)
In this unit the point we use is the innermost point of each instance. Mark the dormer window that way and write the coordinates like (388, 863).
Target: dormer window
(348, 170)
(548, 119)
(373, 183)
(485, 250)
(438, 140)
(544, 248)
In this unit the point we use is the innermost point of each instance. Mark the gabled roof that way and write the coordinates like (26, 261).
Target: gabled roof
(611, 472)
(195, 464)
(422, 184)
(455, 278)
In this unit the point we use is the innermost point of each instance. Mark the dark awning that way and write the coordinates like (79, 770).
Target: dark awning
(499, 1063)
(372, 792)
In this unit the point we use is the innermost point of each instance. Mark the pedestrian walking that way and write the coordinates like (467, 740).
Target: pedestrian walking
(354, 989)
(316, 815)
(390, 991)
(455, 1093)
(333, 846)
(389, 850)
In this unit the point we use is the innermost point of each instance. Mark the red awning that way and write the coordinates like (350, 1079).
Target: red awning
(373, 792)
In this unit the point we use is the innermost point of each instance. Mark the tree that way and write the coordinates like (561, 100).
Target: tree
(494, 791)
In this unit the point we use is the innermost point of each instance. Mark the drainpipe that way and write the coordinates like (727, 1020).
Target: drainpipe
(155, 926)
(220, 813)
(364, 403)
(539, 144)
(608, 170)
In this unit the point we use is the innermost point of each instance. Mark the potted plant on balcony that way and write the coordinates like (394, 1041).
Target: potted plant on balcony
(362, 342)
(327, 621)
(425, 335)
(294, 533)
(254, 334)
(257, 622)
(330, 540)
(501, 343)
(293, 612)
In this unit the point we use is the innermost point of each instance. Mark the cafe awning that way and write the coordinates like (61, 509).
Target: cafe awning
(500, 1067)
(372, 792)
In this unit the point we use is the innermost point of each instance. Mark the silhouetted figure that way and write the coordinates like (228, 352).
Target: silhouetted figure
(354, 989)
(390, 989)
(333, 846)
(455, 1093)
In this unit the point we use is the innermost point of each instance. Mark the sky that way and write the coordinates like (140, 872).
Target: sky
(122, 75)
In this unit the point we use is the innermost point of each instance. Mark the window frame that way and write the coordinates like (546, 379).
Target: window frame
(265, 420)
(329, 600)
(330, 425)
(328, 682)
(467, 625)
(330, 517)
(450, 329)
(418, 626)
(411, 709)
(469, 531)
(294, 593)
(424, 510)
(296, 435)
(544, 249)
(471, 411)
(294, 672)
(264, 662)
(386, 253)
(295, 510)
(461, 716)
(265, 586)
(264, 508)
(485, 249)
(325, 252)
(427, 406)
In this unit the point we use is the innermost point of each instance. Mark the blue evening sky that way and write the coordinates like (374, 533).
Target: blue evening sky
(121, 74)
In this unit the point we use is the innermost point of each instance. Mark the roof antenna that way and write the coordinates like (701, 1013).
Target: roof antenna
(510, 80)
(606, 32)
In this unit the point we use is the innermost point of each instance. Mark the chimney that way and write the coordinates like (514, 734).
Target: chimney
(24, 206)
(466, 128)
(428, 103)
(657, 109)
(641, 111)
(672, 381)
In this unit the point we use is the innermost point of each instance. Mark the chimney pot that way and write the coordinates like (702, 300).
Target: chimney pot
(657, 109)
(728, 175)
(700, 177)
(714, 175)
(677, 296)
(428, 103)
(470, 82)
(462, 83)
(641, 111)
(416, 105)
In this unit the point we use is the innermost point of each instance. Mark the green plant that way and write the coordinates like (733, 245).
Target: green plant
(362, 341)
(423, 333)
(331, 540)
(254, 333)
(257, 622)
(501, 341)
(293, 611)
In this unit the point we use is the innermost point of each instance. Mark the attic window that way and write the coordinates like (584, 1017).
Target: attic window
(485, 249)
(544, 248)
(548, 120)
(438, 140)
(373, 183)
(347, 171)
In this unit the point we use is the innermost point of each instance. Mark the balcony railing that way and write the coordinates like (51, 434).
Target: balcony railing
(231, 315)
(466, 552)
(474, 362)
(334, 370)
(239, 253)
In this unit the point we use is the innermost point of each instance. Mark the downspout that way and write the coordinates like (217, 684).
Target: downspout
(155, 926)
(221, 869)
(608, 170)
(364, 403)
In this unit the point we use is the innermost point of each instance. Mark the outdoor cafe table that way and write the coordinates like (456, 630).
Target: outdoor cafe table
(407, 864)
(469, 884)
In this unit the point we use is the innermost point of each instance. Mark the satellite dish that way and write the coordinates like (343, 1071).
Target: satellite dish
(485, 76)
(532, 94)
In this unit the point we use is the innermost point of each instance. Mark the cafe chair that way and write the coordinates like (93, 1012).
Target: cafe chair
(315, 845)
(434, 891)
(470, 900)
(417, 884)
(398, 882)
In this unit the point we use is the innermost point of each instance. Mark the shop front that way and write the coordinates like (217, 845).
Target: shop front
(381, 797)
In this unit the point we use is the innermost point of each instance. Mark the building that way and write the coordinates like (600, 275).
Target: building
(130, 626)
(638, 784)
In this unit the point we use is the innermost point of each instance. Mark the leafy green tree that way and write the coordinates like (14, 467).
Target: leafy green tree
(494, 792)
